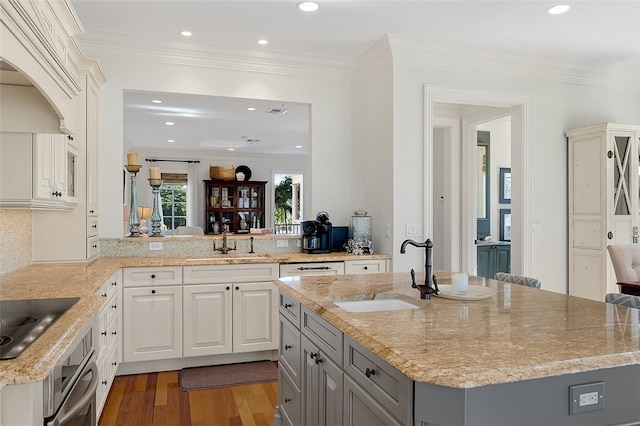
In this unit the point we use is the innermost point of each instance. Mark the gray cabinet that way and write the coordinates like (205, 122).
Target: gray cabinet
(493, 258)
(362, 409)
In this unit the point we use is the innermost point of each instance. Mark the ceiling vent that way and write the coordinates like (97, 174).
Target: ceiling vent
(277, 110)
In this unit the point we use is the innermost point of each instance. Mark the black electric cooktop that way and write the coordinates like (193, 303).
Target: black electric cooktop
(23, 321)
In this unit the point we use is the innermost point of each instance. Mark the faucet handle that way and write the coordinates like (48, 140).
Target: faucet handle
(413, 279)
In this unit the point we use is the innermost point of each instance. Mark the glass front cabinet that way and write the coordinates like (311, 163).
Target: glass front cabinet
(238, 205)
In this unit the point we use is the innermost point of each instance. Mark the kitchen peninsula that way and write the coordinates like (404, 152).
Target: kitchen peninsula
(521, 356)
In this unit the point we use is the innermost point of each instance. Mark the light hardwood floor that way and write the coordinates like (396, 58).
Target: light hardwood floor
(155, 399)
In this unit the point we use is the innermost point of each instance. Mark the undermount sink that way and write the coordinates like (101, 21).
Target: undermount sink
(375, 305)
(232, 256)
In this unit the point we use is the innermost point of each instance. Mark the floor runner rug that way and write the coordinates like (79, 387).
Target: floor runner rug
(219, 376)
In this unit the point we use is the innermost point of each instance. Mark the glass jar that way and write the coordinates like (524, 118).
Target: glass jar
(360, 230)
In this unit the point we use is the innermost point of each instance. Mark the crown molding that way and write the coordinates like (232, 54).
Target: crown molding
(418, 53)
(106, 45)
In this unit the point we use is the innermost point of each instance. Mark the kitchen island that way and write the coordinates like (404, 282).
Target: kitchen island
(520, 356)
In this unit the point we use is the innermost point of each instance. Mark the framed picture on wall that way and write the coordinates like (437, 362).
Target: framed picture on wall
(505, 185)
(505, 224)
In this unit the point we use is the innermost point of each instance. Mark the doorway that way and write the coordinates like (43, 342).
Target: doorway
(460, 159)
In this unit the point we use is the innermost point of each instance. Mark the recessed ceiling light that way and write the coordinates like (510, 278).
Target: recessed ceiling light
(298, 146)
(307, 6)
(169, 123)
(187, 33)
(558, 9)
(156, 101)
(251, 109)
(263, 42)
(171, 140)
(231, 149)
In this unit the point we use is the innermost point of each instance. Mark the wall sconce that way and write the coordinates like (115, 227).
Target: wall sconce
(145, 214)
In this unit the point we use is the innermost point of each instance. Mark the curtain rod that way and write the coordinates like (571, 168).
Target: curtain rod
(153, 160)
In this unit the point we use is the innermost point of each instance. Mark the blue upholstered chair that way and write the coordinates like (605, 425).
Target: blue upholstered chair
(517, 279)
(627, 300)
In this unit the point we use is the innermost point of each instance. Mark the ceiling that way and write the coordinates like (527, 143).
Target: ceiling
(604, 32)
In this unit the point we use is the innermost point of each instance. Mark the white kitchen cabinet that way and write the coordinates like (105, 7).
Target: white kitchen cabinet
(365, 266)
(207, 319)
(152, 309)
(49, 166)
(255, 311)
(311, 268)
(603, 203)
(108, 336)
(230, 309)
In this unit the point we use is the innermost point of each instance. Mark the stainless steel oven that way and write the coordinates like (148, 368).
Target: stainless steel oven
(70, 389)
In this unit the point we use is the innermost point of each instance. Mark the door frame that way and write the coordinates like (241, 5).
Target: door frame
(463, 249)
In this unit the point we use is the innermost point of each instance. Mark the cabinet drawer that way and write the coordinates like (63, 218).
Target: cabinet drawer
(160, 275)
(324, 335)
(388, 386)
(289, 307)
(92, 226)
(311, 268)
(224, 274)
(290, 400)
(290, 349)
(365, 266)
(110, 287)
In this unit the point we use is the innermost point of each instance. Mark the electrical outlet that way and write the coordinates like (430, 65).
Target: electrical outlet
(282, 243)
(156, 245)
(414, 229)
(585, 398)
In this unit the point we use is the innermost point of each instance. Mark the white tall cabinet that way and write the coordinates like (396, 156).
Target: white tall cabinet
(603, 203)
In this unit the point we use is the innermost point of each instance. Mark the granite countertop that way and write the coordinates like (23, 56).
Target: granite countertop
(520, 333)
(83, 280)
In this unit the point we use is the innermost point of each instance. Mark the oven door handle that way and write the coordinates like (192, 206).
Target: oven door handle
(86, 398)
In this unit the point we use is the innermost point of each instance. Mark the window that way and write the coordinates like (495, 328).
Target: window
(173, 194)
(288, 202)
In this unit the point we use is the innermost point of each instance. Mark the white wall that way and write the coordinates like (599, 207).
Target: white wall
(334, 184)
(560, 102)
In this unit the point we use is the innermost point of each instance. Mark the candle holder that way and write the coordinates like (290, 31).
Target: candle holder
(134, 218)
(155, 215)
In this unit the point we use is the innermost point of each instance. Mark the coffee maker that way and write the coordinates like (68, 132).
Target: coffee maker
(316, 234)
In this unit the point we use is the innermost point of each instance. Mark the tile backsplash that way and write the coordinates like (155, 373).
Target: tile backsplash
(15, 239)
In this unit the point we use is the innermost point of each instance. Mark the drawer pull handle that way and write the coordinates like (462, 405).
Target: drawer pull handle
(94, 226)
(114, 306)
(92, 211)
(287, 347)
(104, 382)
(95, 246)
(153, 292)
(104, 333)
(312, 355)
(114, 363)
(115, 283)
(287, 400)
(153, 276)
(288, 305)
(114, 333)
(318, 360)
(104, 294)
(369, 373)
(311, 268)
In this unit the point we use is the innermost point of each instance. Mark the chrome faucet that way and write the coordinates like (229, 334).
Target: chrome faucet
(430, 285)
(224, 249)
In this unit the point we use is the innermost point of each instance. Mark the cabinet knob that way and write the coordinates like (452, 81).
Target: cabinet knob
(369, 372)
(92, 211)
(313, 355)
(287, 347)
(104, 382)
(153, 276)
(318, 360)
(95, 246)
(114, 363)
(104, 294)
(365, 268)
(287, 400)
(104, 333)
(237, 288)
(115, 283)
(228, 288)
(288, 305)
(114, 306)
(153, 292)
(94, 226)
(114, 333)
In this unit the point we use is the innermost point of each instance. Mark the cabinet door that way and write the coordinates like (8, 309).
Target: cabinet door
(331, 392)
(310, 382)
(362, 409)
(152, 323)
(43, 164)
(484, 261)
(92, 146)
(503, 259)
(255, 317)
(207, 319)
